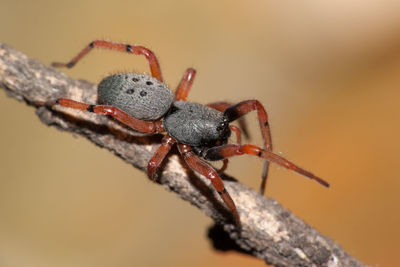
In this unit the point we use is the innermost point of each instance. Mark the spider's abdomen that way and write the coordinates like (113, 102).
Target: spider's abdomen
(141, 96)
(195, 124)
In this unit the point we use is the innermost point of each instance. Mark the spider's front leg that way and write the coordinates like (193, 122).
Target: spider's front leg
(237, 111)
(134, 49)
(230, 150)
(210, 173)
(120, 115)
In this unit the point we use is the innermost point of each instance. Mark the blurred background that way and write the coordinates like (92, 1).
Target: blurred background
(326, 71)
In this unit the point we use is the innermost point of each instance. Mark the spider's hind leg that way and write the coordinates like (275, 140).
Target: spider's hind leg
(118, 114)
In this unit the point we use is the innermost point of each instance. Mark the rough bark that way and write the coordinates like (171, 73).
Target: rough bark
(269, 231)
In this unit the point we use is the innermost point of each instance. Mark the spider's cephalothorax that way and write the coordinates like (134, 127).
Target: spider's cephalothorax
(196, 125)
(201, 132)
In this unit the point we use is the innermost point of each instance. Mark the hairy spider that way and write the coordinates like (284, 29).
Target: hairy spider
(147, 105)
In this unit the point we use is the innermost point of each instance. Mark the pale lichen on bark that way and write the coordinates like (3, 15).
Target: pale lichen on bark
(269, 231)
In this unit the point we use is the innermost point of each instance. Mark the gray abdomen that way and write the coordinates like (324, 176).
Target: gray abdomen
(141, 96)
(195, 124)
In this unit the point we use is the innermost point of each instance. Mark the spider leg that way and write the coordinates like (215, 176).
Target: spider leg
(122, 116)
(185, 84)
(210, 173)
(220, 105)
(226, 151)
(134, 49)
(159, 155)
(236, 111)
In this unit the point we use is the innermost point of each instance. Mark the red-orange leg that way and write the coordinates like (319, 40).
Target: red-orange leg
(220, 106)
(226, 151)
(236, 111)
(210, 173)
(184, 86)
(134, 49)
(122, 116)
(159, 155)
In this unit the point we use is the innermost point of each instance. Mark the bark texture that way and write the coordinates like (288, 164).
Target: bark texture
(269, 231)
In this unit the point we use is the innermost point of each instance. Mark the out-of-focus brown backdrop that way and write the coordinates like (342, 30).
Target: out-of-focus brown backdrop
(327, 72)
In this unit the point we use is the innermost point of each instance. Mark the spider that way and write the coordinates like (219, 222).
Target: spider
(145, 104)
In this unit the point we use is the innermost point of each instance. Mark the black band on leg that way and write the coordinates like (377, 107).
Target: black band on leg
(231, 113)
(213, 154)
(90, 108)
(222, 192)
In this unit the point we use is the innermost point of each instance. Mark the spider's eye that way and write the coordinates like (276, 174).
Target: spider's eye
(221, 127)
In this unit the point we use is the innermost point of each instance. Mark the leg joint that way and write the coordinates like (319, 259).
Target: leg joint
(90, 108)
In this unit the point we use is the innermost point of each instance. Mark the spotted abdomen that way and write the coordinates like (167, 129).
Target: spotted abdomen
(141, 96)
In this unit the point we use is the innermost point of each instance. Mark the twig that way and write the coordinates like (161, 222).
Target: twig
(269, 231)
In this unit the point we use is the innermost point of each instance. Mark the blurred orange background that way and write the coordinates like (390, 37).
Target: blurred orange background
(327, 72)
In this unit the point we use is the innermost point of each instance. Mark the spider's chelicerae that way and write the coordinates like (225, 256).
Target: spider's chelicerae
(147, 105)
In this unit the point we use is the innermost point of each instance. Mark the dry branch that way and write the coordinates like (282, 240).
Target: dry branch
(269, 232)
